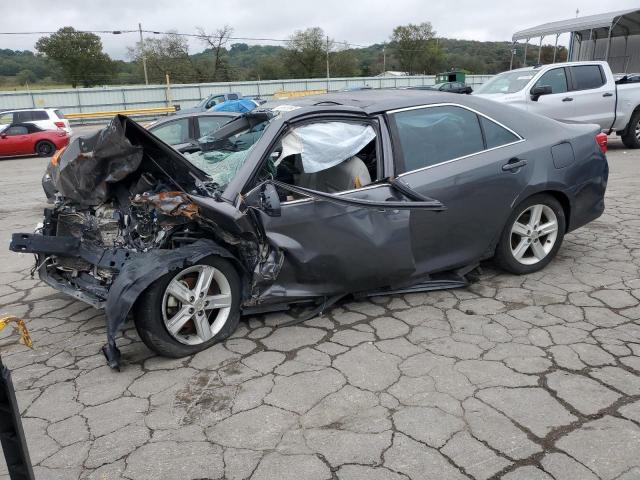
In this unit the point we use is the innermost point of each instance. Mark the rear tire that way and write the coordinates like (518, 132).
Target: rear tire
(157, 310)
(45, 148)
(532, 236)
(631, 138)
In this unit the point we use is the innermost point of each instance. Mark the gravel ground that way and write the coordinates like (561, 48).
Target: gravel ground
(532, 377)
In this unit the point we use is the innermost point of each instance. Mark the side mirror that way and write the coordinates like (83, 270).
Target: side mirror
(265, 197)
(537, 92)
(3, 135)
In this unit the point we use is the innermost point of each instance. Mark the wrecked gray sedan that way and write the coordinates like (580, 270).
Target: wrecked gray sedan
(301, 203)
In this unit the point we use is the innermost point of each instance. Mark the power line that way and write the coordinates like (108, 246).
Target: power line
(180, 34)
(198, 35)
(113, 32)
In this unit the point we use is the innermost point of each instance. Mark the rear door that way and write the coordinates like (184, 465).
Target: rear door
(594, 99)
(475, 166)
(559, 104)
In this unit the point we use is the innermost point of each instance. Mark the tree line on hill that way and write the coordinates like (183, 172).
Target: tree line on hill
(77, 58)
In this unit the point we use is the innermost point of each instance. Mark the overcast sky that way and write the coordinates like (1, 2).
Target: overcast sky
(355, 21)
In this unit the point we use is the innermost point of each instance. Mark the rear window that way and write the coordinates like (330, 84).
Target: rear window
(59, 114)
(37, 115)
(587, 76)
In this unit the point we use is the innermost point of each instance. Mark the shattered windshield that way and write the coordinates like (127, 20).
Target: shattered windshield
(224, 151)
(507, 82)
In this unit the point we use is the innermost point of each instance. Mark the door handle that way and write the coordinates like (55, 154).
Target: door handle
(567, 99)
(608, 94)
(513, 164)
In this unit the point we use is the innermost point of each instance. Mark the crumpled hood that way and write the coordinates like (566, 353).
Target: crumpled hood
(86, 170)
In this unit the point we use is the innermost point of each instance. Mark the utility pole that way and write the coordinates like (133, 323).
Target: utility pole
(328, 64)
(144, 57)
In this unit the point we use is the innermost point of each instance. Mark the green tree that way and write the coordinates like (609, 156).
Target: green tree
(344, 62)
(80, 56)
(306, 51)
(166, 55)
(217, 41)
(416, 49)
(26, 76)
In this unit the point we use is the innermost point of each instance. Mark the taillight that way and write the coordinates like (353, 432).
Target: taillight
(601, 140)
(62, 133)
(59, 124)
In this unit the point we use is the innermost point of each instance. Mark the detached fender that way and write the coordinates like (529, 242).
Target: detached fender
(138, 274)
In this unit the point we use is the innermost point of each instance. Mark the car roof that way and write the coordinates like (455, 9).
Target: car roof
(369, 101)
(25, 109)
(555, 65)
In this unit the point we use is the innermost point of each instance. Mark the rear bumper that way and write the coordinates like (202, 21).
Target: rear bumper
(588, 200)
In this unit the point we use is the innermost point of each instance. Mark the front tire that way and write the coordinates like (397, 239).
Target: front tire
(190, 309)
(532, 236)
(631, 138)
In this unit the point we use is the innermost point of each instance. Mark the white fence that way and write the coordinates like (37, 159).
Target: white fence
(84, 100)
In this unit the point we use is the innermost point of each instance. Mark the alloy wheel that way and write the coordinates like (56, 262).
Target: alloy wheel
(196, 304)
(637, 131)
(533, 234)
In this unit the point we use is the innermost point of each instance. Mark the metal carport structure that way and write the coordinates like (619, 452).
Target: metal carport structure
(612, 36)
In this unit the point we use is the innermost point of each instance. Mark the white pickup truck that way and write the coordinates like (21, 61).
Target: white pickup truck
(585, 92)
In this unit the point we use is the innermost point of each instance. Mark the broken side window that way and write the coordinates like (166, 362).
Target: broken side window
(326, 156)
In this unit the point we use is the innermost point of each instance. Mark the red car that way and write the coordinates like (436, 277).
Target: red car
(27, 139)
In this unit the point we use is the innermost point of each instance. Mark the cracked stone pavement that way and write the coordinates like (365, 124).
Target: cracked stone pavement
(534, 377)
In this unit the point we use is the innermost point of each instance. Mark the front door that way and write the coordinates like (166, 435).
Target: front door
(343, 227)
(559, 104)
(15, 141)
(334, 247)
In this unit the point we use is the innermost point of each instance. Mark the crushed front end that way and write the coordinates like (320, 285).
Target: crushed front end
(127, 211)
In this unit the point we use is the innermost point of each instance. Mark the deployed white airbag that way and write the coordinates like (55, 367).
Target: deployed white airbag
(324, 145)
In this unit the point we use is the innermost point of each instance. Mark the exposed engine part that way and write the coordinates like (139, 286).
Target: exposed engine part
(108, 224)
(175, 204)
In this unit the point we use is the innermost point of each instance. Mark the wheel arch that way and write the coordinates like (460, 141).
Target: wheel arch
(563, 200)
(560, 196)
(138, 274)
(625, 130)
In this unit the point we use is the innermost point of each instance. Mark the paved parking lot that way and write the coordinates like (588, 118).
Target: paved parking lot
(532, 377)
